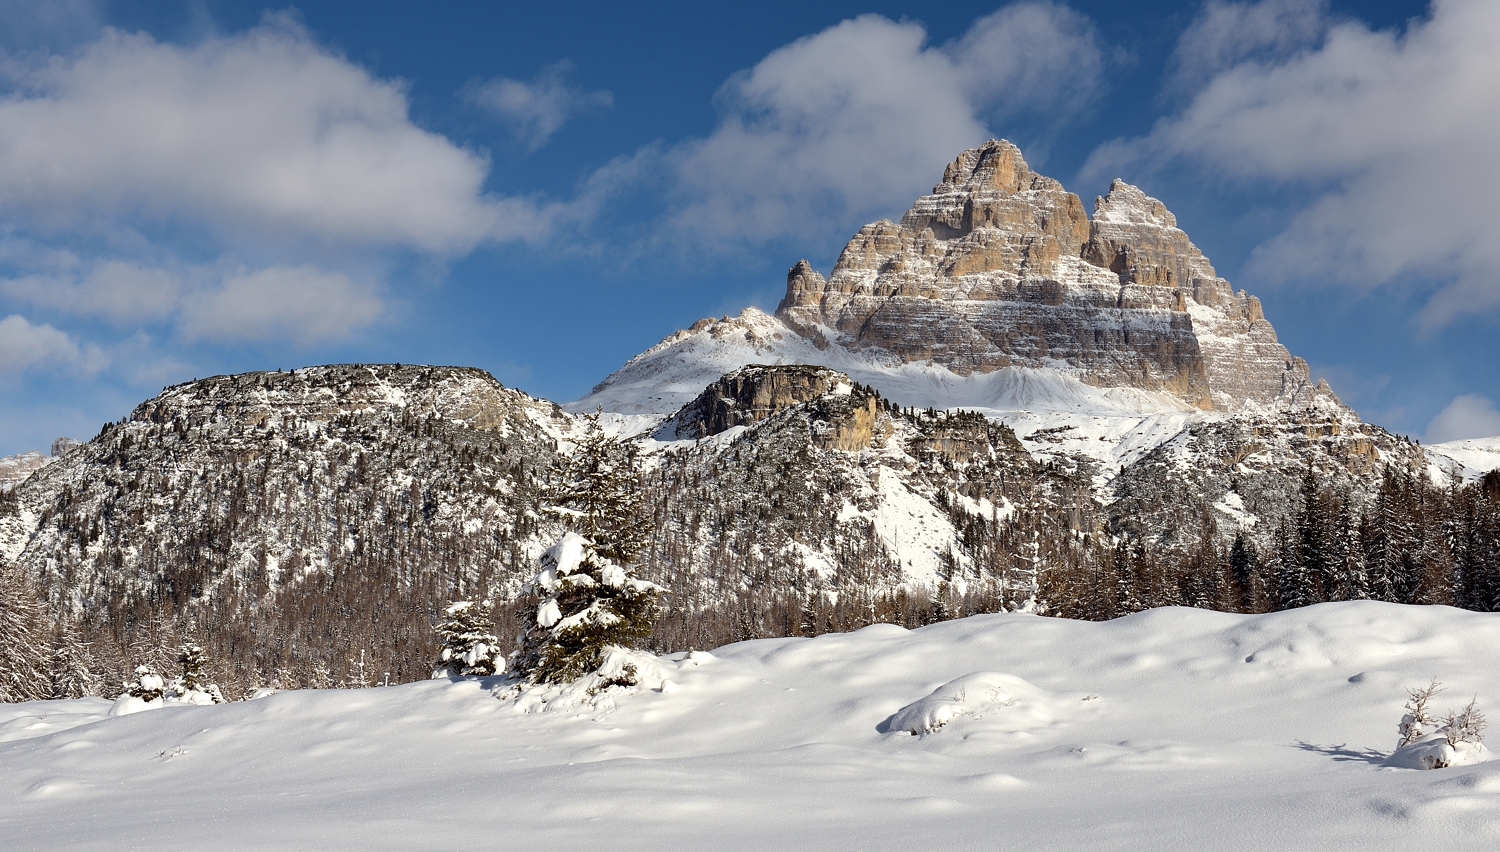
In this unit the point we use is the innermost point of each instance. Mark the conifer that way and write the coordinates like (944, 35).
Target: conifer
(191, 686)
(589, 605)
(469, 644)
(72, 666)
(596, 490)
(148, 684)
(23, 640)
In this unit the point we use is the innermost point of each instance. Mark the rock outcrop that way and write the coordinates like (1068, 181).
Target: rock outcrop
(1001, 267)
(751, 394)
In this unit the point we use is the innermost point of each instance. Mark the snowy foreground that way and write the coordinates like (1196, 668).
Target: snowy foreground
(1170, 729)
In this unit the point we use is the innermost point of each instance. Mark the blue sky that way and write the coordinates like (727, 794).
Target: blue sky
(201, 188)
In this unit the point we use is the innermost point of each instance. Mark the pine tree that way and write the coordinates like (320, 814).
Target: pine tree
(1244, 569)
(1315, 540)
(1293, 584)
(469, 644)
(191, 686)
(24, 647)
(596, 489)
(72, 667)
(148, 684)
(589, 605)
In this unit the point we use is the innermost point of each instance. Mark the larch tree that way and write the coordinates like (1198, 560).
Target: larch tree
(24, 645)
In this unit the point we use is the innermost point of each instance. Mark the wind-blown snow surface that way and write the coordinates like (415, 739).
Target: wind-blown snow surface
(1169, 729)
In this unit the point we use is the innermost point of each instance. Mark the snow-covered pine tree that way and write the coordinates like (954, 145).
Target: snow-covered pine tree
(190, 686)
(469, 644)
(1293, 584)
(72, 666)
(589, 606)
(147, 686)
(597, 490)
(23, 640)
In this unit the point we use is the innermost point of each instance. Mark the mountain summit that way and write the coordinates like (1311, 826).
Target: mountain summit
(999, 273)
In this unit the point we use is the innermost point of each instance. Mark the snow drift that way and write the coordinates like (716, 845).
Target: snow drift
(1169, 729)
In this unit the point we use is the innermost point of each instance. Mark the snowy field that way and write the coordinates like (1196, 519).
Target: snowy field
(1170, 729)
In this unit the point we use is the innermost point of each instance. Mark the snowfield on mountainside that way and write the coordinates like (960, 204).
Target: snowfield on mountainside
(1168, 729)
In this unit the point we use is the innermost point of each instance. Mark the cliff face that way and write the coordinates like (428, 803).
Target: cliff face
(1001, 267)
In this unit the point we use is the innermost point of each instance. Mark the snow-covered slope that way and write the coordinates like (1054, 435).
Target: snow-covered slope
(1465, 460)
(1171, 729)
(667, 376)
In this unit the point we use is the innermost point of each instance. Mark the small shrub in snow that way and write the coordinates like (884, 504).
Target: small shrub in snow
(1465, 726)
(588, 605)
(469, 644)
(1427, 743)
(1418, 717)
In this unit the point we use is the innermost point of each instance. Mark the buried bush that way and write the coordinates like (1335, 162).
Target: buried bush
(1429, 742)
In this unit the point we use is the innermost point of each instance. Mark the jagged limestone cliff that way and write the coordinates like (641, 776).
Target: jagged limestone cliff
(1001, 267)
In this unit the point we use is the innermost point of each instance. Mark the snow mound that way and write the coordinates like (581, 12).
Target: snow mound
(1434, 752)
(623, 673)
(971, 695)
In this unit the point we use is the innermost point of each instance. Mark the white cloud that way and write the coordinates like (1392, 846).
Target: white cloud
(118, 291)
(264, 131)
(1225, 34)
(1395, 131)
(1467, 416)
(33, 348)
(864, 114)
(538, 109)
(303, 304)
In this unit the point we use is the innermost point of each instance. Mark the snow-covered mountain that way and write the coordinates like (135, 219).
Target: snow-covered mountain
(1101, 338)
(998, 402)
(293, 506)
(998, 291)
(1466, 460)
(15, 469)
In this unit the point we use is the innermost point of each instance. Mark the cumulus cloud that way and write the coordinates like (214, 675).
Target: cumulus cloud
(243, 188)
(1467, 416)
(303, 304)
(263, 130)
(1226, 34)
(538, 109)
(866, 113)
(117, 291)
(221, 302)
(1395, 130)
(34, 348)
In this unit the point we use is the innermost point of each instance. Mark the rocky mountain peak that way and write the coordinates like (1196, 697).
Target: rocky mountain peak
(1128, 205)
(1001, 267)
(996, 166)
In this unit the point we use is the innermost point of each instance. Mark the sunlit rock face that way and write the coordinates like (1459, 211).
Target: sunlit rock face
(1001, 267)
